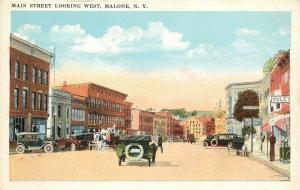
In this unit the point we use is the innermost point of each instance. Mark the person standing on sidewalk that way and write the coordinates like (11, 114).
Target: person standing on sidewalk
(272, 139)
(159, 143)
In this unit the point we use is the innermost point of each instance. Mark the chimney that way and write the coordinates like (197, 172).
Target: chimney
(64, 83)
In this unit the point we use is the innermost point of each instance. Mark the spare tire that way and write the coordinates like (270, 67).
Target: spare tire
(214, 142)
(134, 151)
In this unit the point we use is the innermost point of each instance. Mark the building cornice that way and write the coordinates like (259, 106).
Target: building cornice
(30, 48)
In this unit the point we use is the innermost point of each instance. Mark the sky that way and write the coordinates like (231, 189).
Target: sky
(160, 59)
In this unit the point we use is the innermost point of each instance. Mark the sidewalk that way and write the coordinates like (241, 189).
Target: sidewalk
(277, 165)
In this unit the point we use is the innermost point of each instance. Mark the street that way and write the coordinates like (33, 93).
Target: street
(180, 161)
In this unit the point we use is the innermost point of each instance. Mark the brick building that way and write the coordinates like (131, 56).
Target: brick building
(78, 115)
(142, 121)
(127, 110)
(29, 87)
(105, 107)
(279, 90)
(201, 126)
(173, 129)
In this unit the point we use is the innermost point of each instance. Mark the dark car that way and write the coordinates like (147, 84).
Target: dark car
(80, 141)
(29, 141)
(135, 148)
(226, 139)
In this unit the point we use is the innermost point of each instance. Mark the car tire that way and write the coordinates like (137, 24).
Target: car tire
(205, 144)
(214, 142)
(48, 148)
(139, 156)
(73, 147)
(20, 149)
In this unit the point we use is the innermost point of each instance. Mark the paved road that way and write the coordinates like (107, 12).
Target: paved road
(180, 161)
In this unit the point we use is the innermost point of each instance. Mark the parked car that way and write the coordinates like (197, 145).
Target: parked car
(135, 148)
(230, 140)
(80, 141)
(29, 141)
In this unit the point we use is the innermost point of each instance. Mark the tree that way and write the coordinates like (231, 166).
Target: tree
(246, 98)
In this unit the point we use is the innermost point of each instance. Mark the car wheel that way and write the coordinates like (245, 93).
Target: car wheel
(214, 142)
(73, 147)
(20, 149)
(205, 144)
(48, 148)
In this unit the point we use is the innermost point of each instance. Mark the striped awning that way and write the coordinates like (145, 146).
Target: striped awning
(266, 127)
(281, 124)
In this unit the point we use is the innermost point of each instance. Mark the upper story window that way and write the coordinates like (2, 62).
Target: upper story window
(40, 101)
(34, 74)
(25, 98)
(33, 100)
(16, 98)
(17, 69)
(39, 76)
(46, 102)
(45, 78)
(59, 110)
(25, 72)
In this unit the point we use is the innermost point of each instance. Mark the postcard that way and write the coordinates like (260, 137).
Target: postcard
(149, 94)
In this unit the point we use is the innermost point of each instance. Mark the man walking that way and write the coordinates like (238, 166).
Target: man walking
(159, 143)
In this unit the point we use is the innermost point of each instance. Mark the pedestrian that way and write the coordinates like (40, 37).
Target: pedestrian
(159, 143)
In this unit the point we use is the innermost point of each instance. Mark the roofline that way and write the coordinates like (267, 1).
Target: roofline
(91, 83)
(31, 45)
(241, 83)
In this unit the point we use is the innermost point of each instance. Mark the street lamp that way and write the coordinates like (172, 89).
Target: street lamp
(251, 108)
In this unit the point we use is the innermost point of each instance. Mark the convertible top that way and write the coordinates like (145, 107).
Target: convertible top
(138, 138)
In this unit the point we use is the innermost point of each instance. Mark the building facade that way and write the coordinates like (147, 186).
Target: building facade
(142, 121)
(29, 87)
(220, 119)
(127, 110)
(78, 115)
(160, 125)
(232, 91)
(59, 121)
(280, 94)
(174, 130)
(196, 126)
(105, 107)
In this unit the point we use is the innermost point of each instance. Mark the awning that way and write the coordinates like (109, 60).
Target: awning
(281, 124)
(266, 127)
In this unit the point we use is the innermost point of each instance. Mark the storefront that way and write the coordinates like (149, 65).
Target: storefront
(280, 125)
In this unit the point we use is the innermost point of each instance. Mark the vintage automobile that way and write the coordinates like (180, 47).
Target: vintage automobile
(135, 148)
(80, 141)
(229, 140)
(29, 141)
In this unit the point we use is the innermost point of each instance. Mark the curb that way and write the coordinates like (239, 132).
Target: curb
(272, 166)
